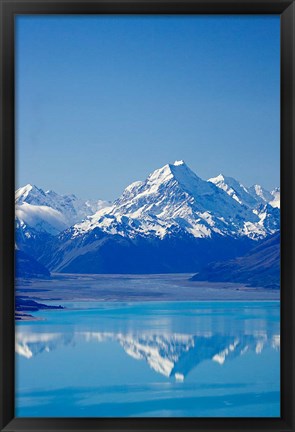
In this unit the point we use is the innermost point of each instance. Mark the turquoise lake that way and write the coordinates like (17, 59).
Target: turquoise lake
(150, 359)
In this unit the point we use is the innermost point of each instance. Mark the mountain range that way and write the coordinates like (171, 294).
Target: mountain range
(171, 222)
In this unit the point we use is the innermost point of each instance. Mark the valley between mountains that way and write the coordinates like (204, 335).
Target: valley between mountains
(171, 222)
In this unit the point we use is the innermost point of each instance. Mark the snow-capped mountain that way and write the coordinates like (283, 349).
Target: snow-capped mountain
(251, 197)
(235, 190)
(50, 212)
(39, 216)
(171, 222)
(174, 199)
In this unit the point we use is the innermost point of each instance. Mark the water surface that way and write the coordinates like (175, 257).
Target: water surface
(106, 359)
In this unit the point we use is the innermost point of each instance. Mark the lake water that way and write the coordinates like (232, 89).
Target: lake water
(150, 359)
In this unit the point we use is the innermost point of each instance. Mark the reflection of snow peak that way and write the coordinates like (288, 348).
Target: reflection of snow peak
(220, 357)
(168, 354)
(160, 352)
(276, 342)
(29, 344)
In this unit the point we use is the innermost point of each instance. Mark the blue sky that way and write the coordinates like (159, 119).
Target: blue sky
(104, 100)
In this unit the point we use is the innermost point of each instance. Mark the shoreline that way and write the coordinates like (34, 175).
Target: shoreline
(35, 294)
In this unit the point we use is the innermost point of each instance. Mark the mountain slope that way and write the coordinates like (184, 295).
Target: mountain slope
(27, 267)
(235, 189)
(260, 267)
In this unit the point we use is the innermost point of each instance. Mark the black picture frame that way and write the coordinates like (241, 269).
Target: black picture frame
(9, 9)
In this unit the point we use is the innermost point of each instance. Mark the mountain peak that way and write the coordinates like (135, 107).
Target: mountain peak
(179, 162)
(178, 171)
(217, 179)
(257, 188)
(25, 189)
(223, 178)
(261, 193)
(23, 192)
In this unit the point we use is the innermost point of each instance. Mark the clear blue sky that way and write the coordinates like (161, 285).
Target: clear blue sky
(104, 100)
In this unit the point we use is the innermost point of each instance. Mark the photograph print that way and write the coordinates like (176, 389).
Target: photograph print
(147, 216)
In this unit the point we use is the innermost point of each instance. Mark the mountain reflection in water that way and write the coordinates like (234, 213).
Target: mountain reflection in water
(168, 354)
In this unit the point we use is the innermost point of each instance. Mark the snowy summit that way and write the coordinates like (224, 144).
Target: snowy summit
(179, 162)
